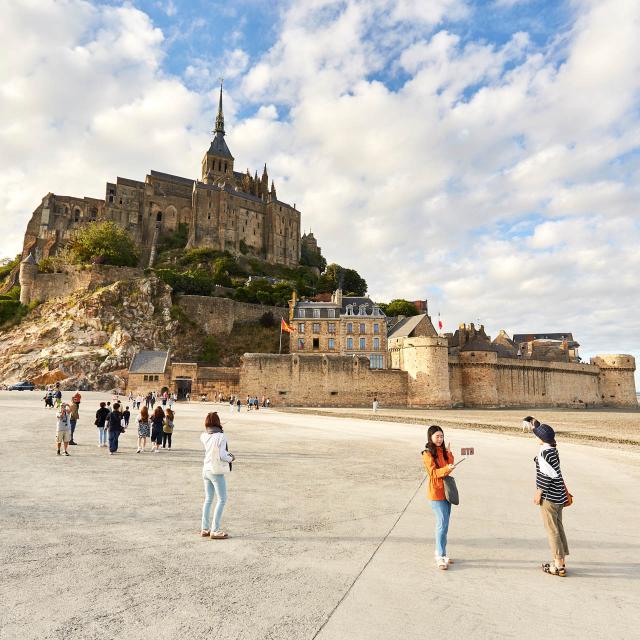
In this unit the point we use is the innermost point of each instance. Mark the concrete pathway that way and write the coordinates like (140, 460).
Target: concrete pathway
(98, 546)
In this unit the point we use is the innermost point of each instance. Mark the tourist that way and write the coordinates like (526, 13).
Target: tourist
(126, 416)
(438, 463)
(144, 429)
(216, 465)
(58, 398)
(552, 496)
(48, 398)
(188, 397)
(101, 418)
(157, 422)
(74, 416)
(138, 401)
(232, 403)
(114, 428)
(63, 428)
(164, 399)
(375, 405)
(171, 401)
(76, 398)
(238, 404)
(268, 403)
(153, 399)
(167, 429)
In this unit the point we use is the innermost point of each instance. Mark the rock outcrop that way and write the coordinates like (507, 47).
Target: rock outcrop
(88, 339)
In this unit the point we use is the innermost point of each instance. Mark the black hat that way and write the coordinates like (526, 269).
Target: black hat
(545, 433)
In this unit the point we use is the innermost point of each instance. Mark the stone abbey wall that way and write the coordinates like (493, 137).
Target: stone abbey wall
(321, 381)
(218, 315)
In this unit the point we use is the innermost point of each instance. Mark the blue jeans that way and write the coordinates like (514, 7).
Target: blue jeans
(102, 436)
(113, 441)
(214, 483)
(442, 511)
(72, 424)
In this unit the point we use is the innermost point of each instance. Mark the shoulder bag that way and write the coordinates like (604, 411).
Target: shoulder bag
(451, 490)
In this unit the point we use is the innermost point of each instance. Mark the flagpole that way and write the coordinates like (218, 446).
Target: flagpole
(280, 346)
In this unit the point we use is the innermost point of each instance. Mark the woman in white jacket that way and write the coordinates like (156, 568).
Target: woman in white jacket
(217, 463)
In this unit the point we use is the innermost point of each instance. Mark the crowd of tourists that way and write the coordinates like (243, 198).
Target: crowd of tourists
(112, 420)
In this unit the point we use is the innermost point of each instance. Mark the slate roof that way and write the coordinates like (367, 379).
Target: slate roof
(171, 178)
(149, 362)
(128, 182)
(219, 147)
(479, 345)
(528, 337)
(404, 328)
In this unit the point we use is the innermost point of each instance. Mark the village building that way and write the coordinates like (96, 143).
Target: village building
(345, 325)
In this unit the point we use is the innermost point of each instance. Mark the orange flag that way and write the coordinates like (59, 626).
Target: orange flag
(285, 327)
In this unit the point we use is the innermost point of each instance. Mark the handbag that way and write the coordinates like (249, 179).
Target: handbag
(451, 490)
(569, 500)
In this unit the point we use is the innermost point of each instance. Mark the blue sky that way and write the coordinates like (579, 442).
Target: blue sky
(483, 154)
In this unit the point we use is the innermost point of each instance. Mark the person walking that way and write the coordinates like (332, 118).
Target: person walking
(438, 463)
(126, 416)
(114, 428)
(552, 496)
(167, 429)
(217, 463)
(144, 429)
(157, 423)
(101, 418)
(76, 398)
(63, 428)
(74, 416)
(238, 404)
(58, 398)
(375, 405)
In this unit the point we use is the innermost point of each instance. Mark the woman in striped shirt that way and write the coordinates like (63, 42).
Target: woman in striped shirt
(552, 496)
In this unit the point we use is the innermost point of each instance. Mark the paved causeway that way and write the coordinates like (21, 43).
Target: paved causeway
(99, 546)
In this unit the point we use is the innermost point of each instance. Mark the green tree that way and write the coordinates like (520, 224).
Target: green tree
(399, 307)
(352, 283)
(104, 242)
(311, 259)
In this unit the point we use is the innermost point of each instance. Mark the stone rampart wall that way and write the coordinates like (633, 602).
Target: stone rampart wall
(47, 286)
(321, 381)
(486, 380)
(218, 315)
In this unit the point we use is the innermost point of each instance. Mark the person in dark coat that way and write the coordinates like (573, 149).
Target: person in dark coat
(114, 428)
(101, 417)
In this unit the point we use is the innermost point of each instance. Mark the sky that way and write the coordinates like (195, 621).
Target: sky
(484, 155)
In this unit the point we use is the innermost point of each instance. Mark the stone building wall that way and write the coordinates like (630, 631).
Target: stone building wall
(321, 380)
(218, 315)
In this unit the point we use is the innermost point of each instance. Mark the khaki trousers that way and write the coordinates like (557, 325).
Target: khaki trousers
(552, 518)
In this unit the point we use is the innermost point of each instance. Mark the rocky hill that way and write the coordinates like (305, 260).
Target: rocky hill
(89, 338)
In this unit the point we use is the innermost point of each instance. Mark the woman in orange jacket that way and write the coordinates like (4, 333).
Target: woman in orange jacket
(438, 463)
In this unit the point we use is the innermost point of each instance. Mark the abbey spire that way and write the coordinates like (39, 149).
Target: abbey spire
(219, 128)
(217, 163)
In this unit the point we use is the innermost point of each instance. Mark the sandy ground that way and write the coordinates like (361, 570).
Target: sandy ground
(99, 546)
(601, 426)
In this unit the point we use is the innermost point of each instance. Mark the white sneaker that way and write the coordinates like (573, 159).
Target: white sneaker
(441, 563)
(139, 451)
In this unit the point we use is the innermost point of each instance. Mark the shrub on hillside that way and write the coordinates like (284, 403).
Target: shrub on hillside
(104, 242)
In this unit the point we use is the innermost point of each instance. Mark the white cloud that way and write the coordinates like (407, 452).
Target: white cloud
(500, 181)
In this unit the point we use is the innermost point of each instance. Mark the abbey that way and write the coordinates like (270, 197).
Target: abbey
(224, 209)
